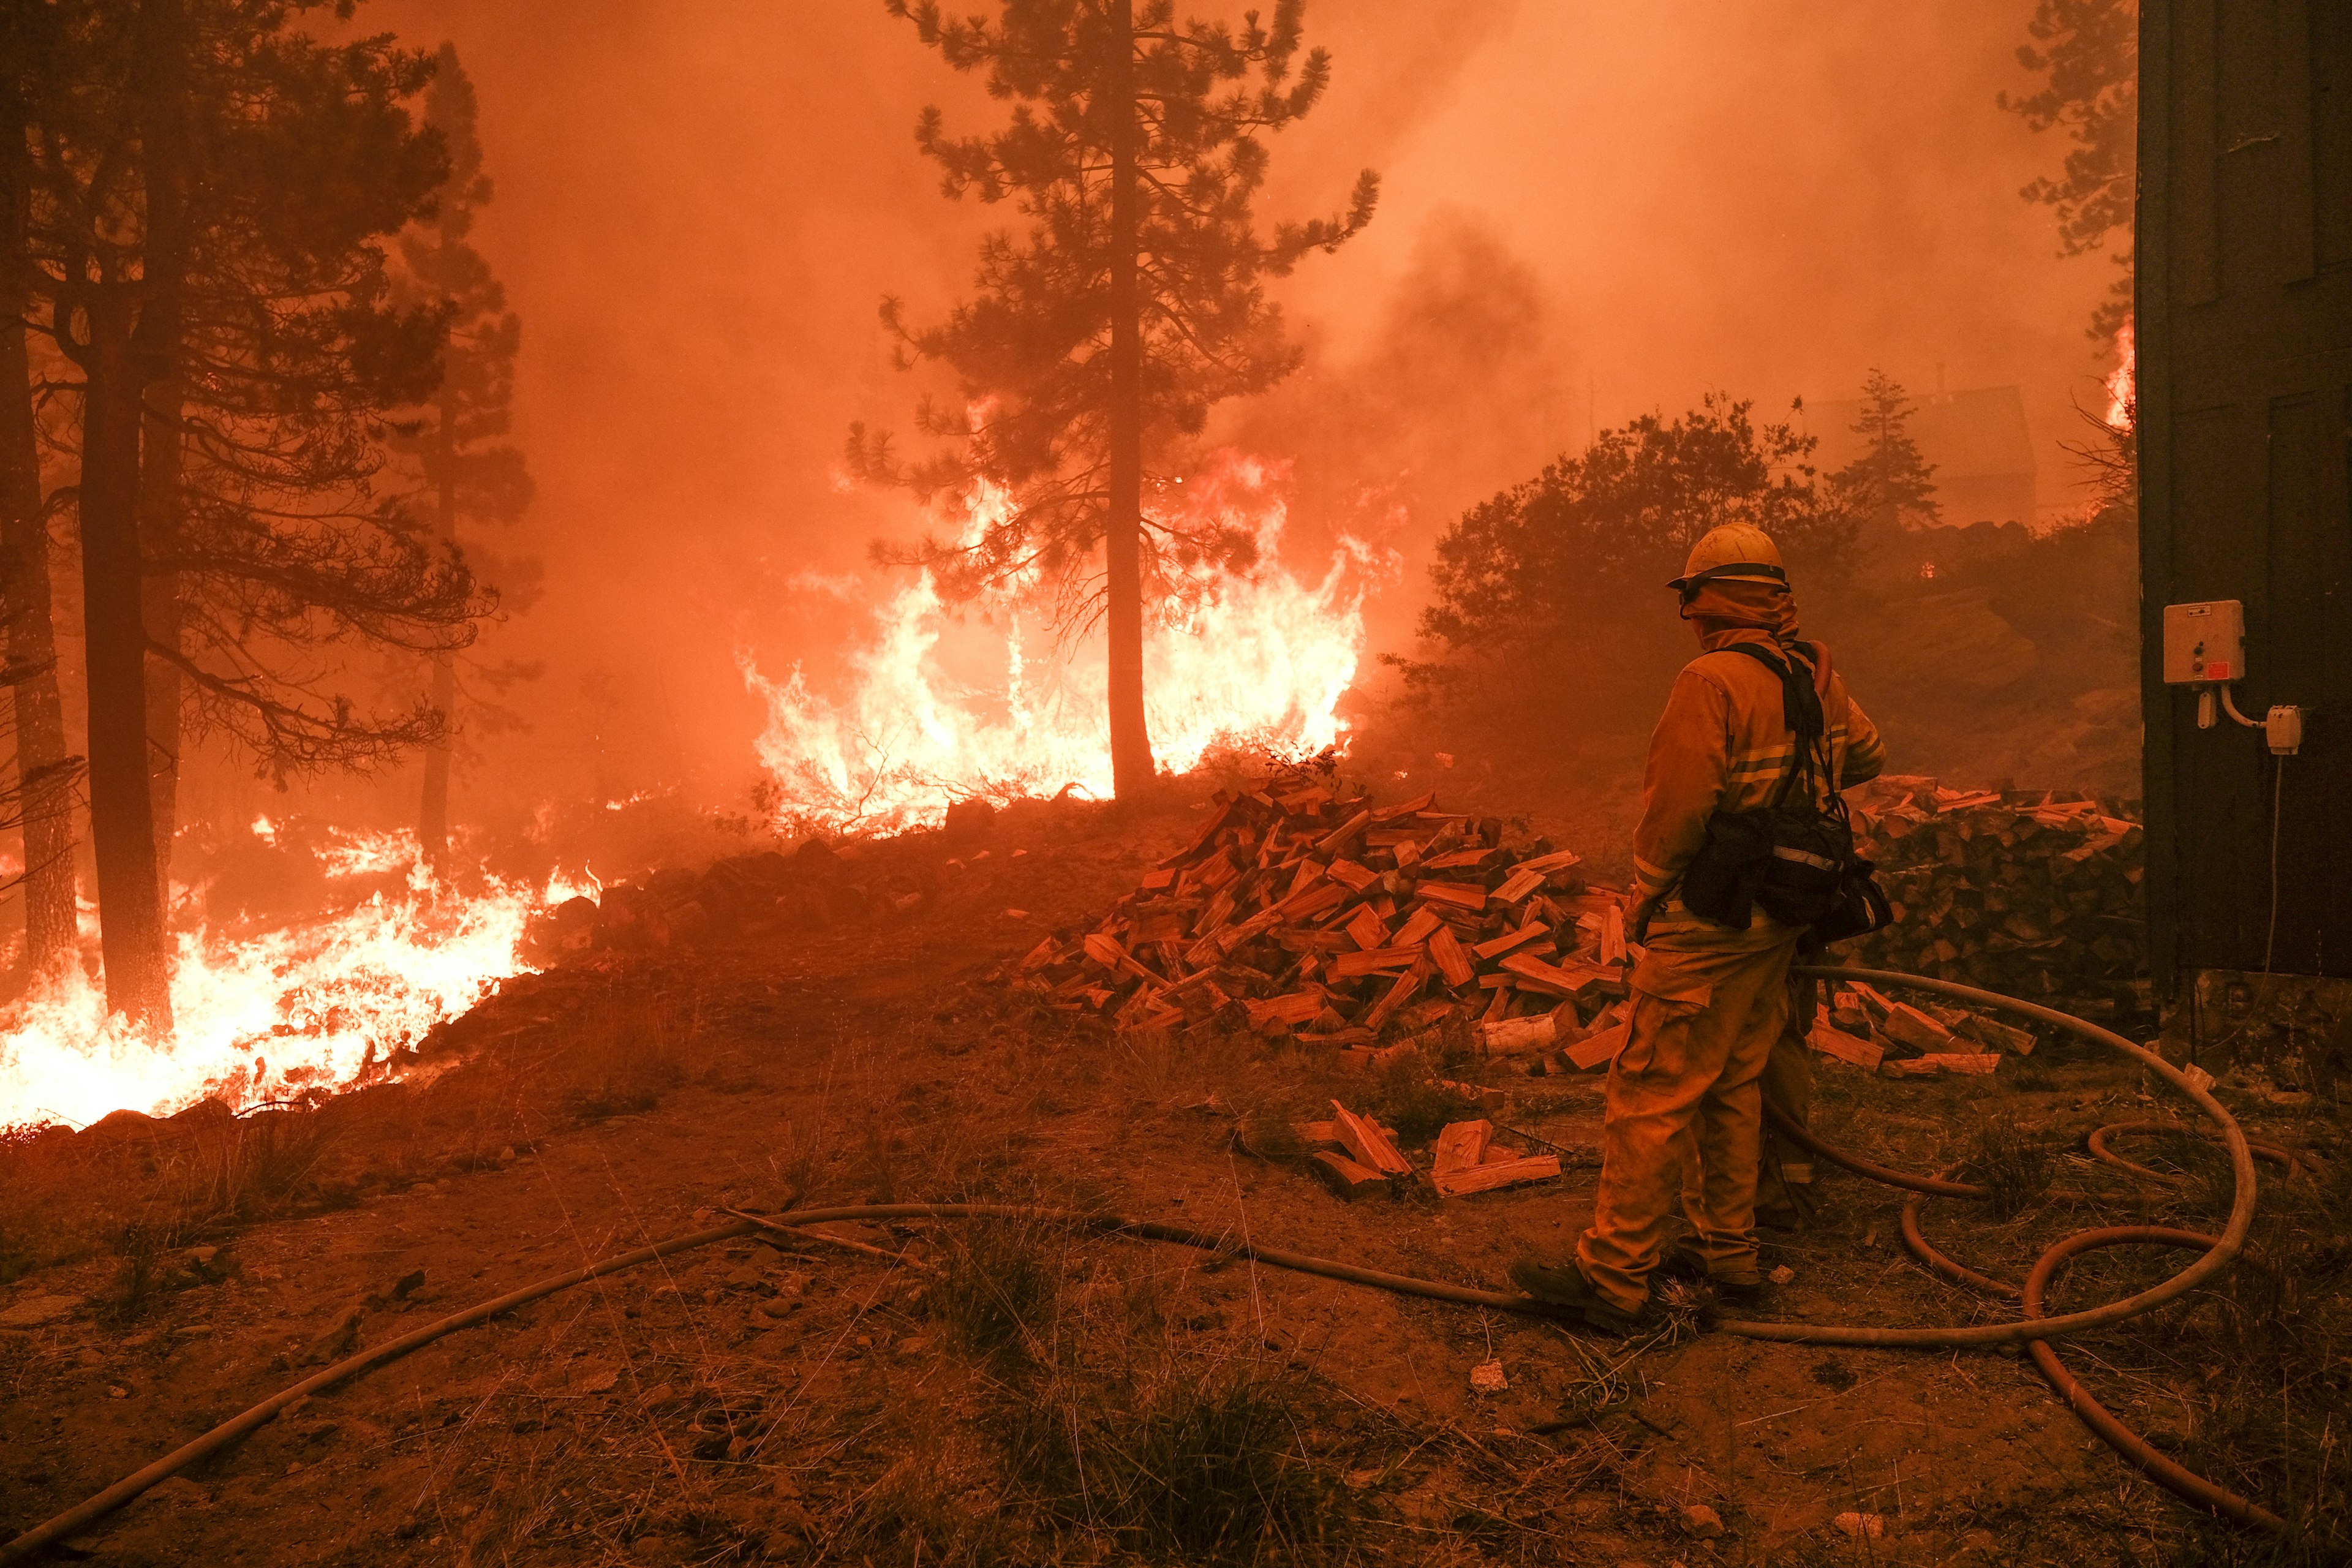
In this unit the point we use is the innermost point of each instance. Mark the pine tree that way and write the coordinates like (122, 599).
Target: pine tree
(1134, 302)
(469, 474)
(211, 192)
(43, 774)
(1890, 485)
(2087, 52)
(1570, 548)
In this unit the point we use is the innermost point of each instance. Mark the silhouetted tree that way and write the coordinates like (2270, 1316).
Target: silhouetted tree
(42, 774)
(212, 191)
(1567, 548)
(2087, 53)
(1134, 302)
(1890, 485)
(469, 475)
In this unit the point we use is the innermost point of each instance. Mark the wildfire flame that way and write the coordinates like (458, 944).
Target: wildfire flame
(323, 1004)
(2120, 392)
(945, 707)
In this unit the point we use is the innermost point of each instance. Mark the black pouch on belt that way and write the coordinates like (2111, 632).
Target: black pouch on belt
(1794, 857)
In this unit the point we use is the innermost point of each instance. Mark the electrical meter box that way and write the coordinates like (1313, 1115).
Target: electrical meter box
(2204, 643)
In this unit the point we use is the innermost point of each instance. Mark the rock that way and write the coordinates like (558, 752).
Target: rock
(1861, 1526)
(1781, 1275)
(1488, 1378)
(1701, 1521)
(32, 1312)
(402, 1288)
(339, 1338)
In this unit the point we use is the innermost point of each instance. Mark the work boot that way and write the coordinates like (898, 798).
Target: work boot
(1565, 1286)
(1742, 1288)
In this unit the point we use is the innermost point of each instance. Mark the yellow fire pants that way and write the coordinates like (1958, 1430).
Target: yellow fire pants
(1707, 1008)
(1786, 1177)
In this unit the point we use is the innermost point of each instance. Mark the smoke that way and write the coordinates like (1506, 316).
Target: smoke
(1589, 210)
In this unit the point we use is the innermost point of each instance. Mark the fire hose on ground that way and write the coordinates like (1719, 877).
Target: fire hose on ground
(2033, 1329)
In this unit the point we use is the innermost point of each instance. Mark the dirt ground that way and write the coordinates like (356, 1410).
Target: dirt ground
(1020, 1392)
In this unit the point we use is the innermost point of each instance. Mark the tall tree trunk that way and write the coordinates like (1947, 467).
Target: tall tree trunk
(1131, 732)
(163, 135)
(433, 818)
(122, 806)
(159, 530)
(43, 769)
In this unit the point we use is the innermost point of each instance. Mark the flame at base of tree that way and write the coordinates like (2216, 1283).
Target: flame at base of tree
(952, 702)
(326, 1003)
(2123, 394)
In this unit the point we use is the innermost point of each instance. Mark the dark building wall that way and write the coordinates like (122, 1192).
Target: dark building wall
(2244, 321)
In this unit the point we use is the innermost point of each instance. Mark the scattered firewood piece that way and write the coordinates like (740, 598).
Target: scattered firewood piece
(1831, 1041)
(1985, 1063)
(1463, 895)
(1997, 1036)
(1907, 1025)
(1367, 1143)
(1486, 1178)
(1600, 1047)
(1519, 1037)
(1462, 1144)
(1344, 1176)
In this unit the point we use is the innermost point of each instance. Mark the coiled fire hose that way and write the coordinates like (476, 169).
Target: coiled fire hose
(2032, 1329)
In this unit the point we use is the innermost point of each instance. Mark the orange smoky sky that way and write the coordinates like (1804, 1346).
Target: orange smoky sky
(1589, 210)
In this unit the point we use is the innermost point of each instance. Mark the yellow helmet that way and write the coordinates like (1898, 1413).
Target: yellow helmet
(1734, 552)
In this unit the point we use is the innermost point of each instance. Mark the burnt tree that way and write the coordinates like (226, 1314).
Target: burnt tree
(213, 190)
(1102, 337)
(44, 772)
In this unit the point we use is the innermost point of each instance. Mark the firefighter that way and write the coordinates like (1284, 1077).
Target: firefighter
(1709, 1002)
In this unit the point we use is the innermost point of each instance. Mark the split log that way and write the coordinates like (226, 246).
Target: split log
(1398, 994)
(1509, 941)
(1907, 1026)
(1518, 1036)
(1462, 895)
(1836, 1042)
(1984, 1064)
(1485, 1178)
(1346, 1177)
(1461, 1146)
(1367, 1143)
(1373, 960)
(1368, 928)
(1997, 1037)
(1332, 842)
(1445, 952)
(1293, 1009)
(1600, 1047)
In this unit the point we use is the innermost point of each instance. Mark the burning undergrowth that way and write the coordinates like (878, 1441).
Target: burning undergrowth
(986, 700)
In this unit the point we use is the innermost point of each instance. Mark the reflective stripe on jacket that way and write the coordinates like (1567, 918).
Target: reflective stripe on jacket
(1722, 746)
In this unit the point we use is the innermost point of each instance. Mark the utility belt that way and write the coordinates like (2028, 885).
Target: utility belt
(1794, 858)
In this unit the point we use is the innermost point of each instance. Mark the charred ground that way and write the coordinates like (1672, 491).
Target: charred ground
(1018, 1392)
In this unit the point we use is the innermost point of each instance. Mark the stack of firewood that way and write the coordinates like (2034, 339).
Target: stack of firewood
(2018, 893)
(1297, 909)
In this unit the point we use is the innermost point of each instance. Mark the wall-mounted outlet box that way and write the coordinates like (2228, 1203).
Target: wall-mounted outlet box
(2204, 642)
